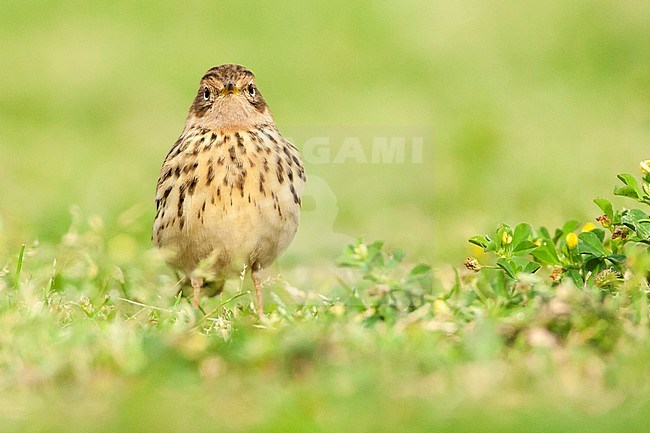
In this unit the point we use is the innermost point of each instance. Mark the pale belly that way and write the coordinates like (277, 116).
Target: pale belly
(228, 237)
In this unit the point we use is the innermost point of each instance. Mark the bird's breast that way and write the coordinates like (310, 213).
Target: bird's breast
(231, 196)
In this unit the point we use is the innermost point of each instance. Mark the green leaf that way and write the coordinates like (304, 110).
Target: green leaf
(420, 270)
(491, 246)
(521, 242)
(525, 265)
(398, 255)
(630, 180)
(574, 276)
(605, 206)
(600, 233)
(639, 221)
(524, 248)
(643, 230)
(570, 226)
(522, 233)
(617, 258)
(631, 188)
(378, 279)
(480, 241)
(595, 264)
(546, 253)
(626, 191)
(589, 243)
(544, 233)
(531, 267)
(508, 266)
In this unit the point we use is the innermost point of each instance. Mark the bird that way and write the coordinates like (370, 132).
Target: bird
(228, 196)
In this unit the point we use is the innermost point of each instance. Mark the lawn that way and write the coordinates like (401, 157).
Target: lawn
(506, 112)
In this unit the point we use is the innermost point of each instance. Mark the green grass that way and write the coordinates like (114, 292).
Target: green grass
(528, 111)
(90, 344)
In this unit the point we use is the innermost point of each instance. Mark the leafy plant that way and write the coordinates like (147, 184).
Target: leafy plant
(387, 287)
(579, 252)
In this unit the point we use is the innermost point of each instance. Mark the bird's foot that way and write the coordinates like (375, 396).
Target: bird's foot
(197, 284)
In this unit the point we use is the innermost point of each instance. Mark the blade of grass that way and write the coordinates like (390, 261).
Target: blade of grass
(140, 304)
(19, 267)
(218, 307)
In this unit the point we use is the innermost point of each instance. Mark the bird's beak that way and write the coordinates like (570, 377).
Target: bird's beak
(230, 88)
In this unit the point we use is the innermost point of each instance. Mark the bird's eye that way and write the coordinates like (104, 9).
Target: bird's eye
(251, 89)
(206, 94)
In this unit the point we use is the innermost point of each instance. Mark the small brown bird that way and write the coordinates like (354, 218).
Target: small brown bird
(228, 196)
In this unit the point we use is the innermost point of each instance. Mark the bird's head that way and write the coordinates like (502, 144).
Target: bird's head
(228, 98)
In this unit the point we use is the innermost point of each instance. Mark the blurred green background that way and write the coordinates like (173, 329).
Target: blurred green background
(531, 109)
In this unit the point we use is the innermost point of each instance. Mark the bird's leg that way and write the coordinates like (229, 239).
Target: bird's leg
(258, 290)
(197, 283)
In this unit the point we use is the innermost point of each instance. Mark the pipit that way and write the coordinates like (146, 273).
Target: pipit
(228, 196)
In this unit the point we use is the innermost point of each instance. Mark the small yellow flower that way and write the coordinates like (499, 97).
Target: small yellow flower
(571, 240)
(440, 307)
(506, 238)
(588, 227)
(539, 242)
(645, 167)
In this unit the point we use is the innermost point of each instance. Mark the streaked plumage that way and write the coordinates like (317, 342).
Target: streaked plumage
(229, 190)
